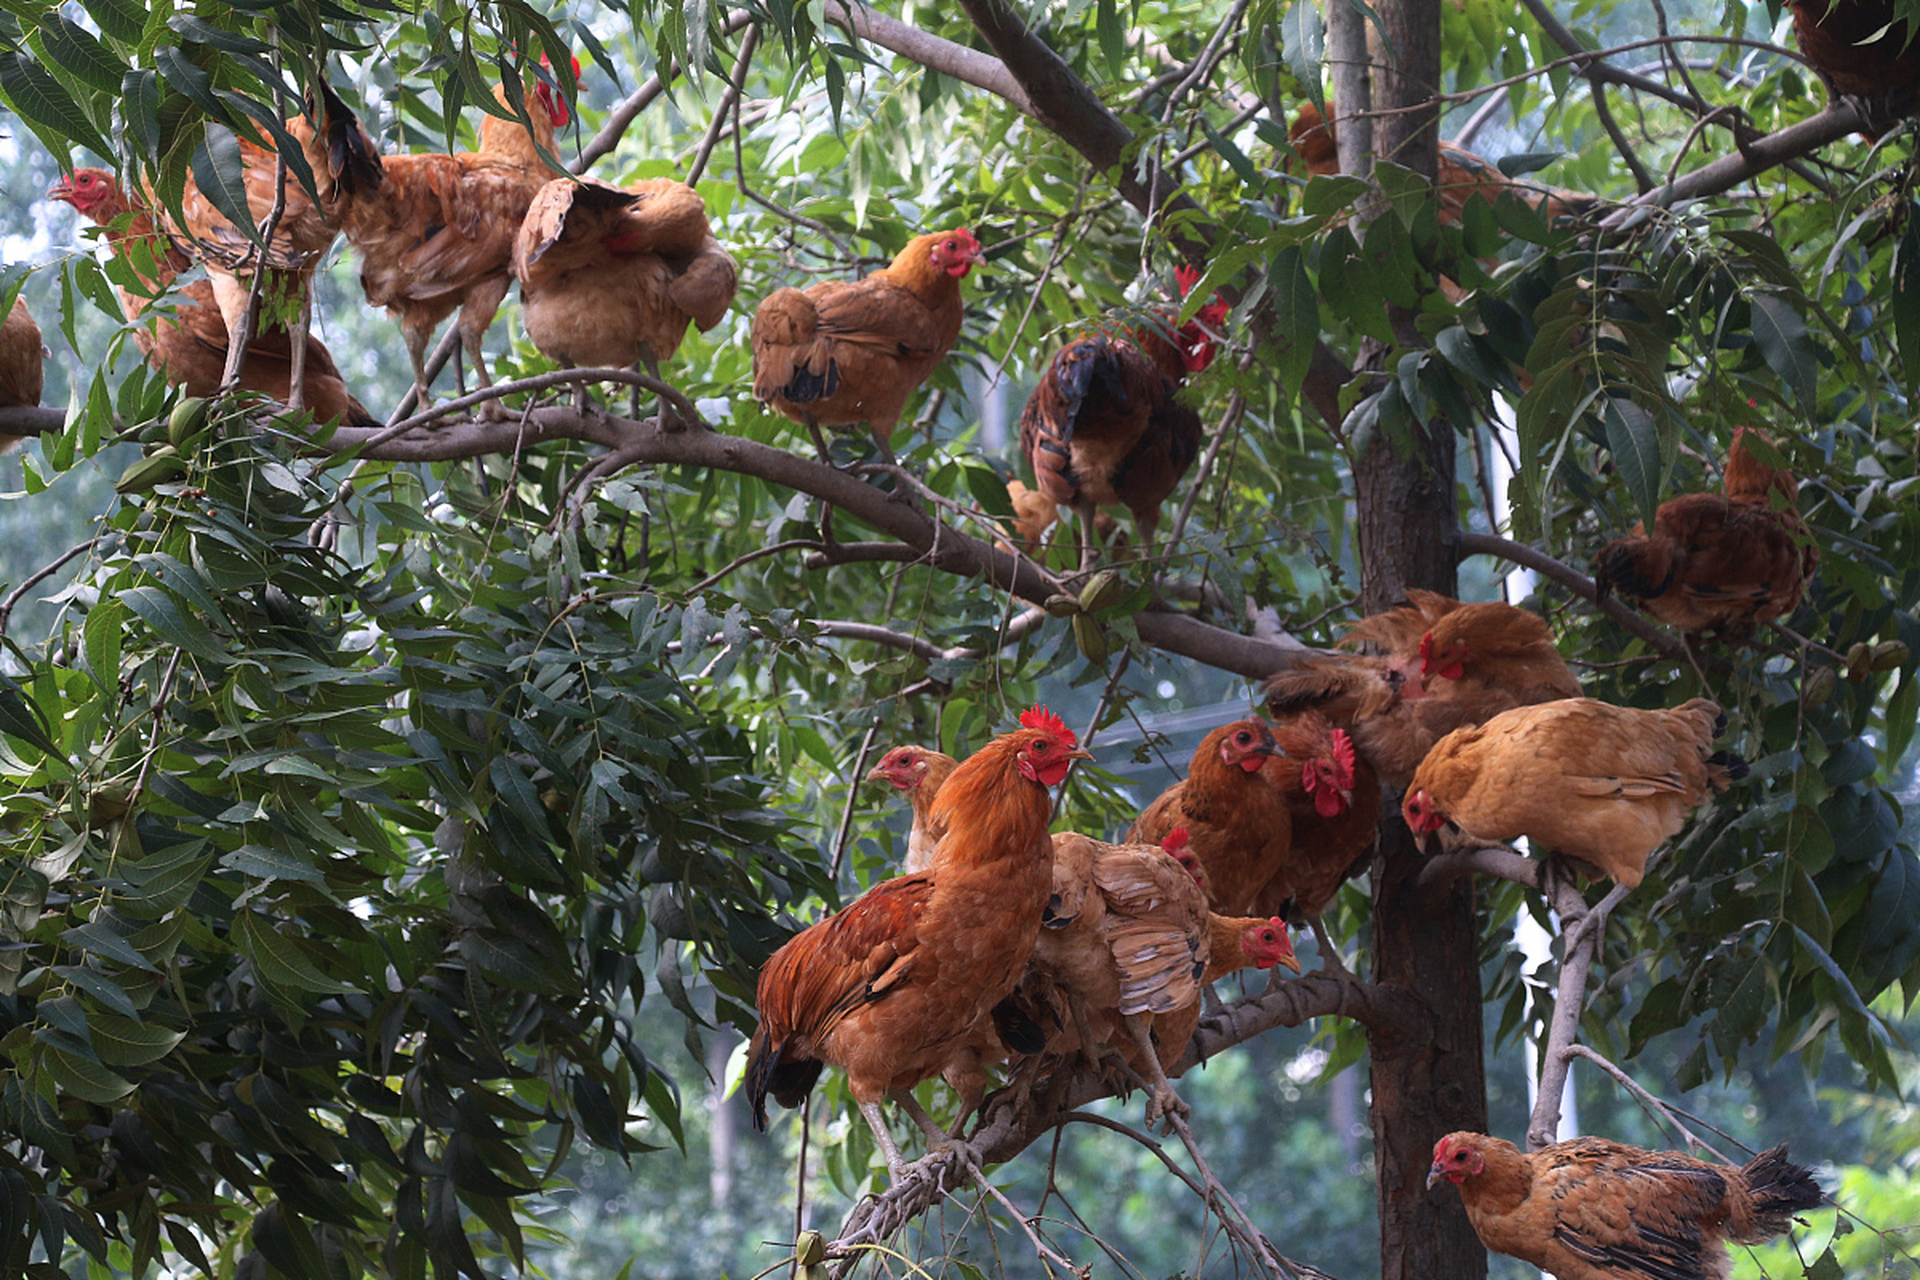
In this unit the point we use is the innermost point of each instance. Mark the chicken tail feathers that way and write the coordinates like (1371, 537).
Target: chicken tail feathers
(1724, 768)
(1776, 1190)
(768, 1073)
(1018, 1027)
(358, 418)
(353, 161)
(1639, 567)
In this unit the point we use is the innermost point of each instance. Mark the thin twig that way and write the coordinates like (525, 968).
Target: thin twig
(41, 574)
(741, 64)
(853, 793)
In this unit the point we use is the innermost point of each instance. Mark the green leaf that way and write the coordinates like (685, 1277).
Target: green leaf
(163, 613)
(1635, 445)
(191, 82)
(1296, 316)
(278, 961)
(219, 170)
(123, 21)
(40, 100)
(1303, 40)
(1786, 346)
(20, 717)
(1904, 296)
(80, 53)
(1112, 33)
(81, 1077)
(123, 1042)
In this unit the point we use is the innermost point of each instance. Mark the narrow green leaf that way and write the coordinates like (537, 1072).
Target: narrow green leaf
(219, 170)
(162, 612)
(80, 53)
(189, 80)
(1303, 42)
(1786, 346)
(122, 21)
(1635, 445)
(20, 717)
(40, 100)
(122, 1042)
(1112, 33)
(278, 961)
(81, 1077)
(97, 939)
(1297, 316)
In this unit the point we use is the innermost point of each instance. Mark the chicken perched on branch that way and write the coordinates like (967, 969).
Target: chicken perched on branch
(1583, 778)
(1590, 1209)
(919, 772)
(1719, 561)
(1105, 427)
(1333, 800)
(845, 352)
(611, 276)
(1237, 824)
(435, 232)
(187, 340)
(1129, 939)
(22, 364)
(1865, 54)
(894, 988)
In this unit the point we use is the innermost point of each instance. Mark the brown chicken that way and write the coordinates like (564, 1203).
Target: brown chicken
(892, 988)
(1864, 54)
(1583, 778)
(1237, 824)
(22, 364)
(1033, 514)
(187, 339)
(1372, 697)
(1333, 798)
(610, 276)
(850, 351)
(1128, 937)
(1104, 426)
(435, 232)
(1720, 562)
(1590, 1209)
(919, 772)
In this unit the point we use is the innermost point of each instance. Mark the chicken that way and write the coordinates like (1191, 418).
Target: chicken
(1590, 1209)
(1033, 514)
(610, 276)
(435, 232)
(892, 988)
(1237, 824)
(920, 772)
(22, 364)
(1129, 938)
(1104, 426)
(1863, 51)
(1719, 561)
(1583, 778)
(1461, 175)
(851, 351)
(1333, 800)
(1371, 697)
(187, 341)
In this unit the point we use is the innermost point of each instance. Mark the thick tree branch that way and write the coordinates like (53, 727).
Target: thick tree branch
(1485, 544)
(969, 66)
(32, 422)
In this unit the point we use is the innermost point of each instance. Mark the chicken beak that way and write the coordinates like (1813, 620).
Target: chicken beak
(1079, 753)
(60, 190)
(1434, 1175)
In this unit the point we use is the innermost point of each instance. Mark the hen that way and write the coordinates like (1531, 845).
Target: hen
(850, 351)
(892, 988)
(22, 364)
(187, 339)
(1333, 799)
(610, 277)
(1237, 825)
(1590, 1209)
(1718, 561)
(1104, 427)
(919, 772)
(1371, 697)
(1864, 53)
(1583, 778)
(1130, 940)
(435, 232)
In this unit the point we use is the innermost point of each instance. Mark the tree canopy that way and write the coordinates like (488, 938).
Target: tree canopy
(367, 791)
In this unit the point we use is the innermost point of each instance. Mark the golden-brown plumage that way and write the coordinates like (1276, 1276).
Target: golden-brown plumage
(850, 351)
(1590, 1209)
(610, 276)
(1372, 697)
(1333, 800)
(892, 988)
(1719, 561)
(435, 232)
(1104, 426)
(1863, 54)
(1238, 826)
(1033, 514)
(920, 772)
(187, 339)
(1579, 777)
(22, 364)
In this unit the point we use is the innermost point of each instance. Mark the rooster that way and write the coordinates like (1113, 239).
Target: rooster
(1583, 778)
(187, 340)
(893, 988)
(435, 232)
(1719, 561)
(1104, 426)
(1333, 799)
(22, 364)
(1590, 1209)
(850, 351)
(1237, 824)
(610, 277)
(1864, 52)
(919, 772)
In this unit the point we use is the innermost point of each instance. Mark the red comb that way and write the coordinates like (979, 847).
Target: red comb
(1186, 277)
(1174, 841)
(1046, 722)
(1343, 753)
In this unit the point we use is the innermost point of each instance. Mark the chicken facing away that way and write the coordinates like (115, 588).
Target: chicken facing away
(1104, 426)
(1722, 561)
(1863, 54)
(1237, 824)
(22, 364)
(920, 772)
(1583, 778)
(435, 232)
(893, 989)
(1590, 1209)
(1333, 800)
(187, 340)
(611, 276)
(845, 352)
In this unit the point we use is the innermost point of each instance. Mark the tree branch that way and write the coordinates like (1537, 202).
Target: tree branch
(969, 66)
(1485, 544)
(1582, 931)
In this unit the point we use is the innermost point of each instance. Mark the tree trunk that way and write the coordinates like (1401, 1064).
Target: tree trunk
(1425, 941)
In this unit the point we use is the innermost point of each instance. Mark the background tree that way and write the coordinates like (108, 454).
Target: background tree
(381, 806)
